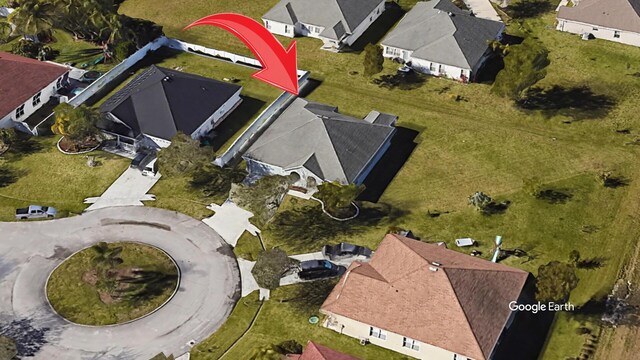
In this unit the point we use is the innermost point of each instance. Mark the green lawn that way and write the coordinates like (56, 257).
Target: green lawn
(85, 299)
(45, 176)
(470, 140)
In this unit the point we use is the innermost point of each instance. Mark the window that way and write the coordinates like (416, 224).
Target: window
(595, 29)
(393, 51)
(370, 18)
(267, 25)
(286, 28)
(461, 73)
(59, 82)
(616, 34)
(411, 344)
(440, 68)
(35, 100)
(377, 333)
(316, 29)
(20, 111)
(432, 67)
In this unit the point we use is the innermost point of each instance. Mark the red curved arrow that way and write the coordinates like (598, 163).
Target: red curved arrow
(279, 65)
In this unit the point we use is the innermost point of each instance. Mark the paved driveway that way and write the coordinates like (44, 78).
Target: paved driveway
(128, 190)
(209, 286)
(483, 9)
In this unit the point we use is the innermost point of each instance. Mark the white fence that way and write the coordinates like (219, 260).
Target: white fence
(116, 71)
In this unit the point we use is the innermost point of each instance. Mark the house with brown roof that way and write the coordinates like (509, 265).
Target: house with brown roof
(615, 20)
(426, 301)
(315, 351)
(26, 85)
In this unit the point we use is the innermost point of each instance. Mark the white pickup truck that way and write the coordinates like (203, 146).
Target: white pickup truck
(35, 212)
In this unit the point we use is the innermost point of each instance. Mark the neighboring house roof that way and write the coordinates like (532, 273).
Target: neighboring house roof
(338, 17)
(5, 11)
(21, 78)
(615, 14)
(333, 146)
(160, 102)
(315, 351)
(439, 31)
(431, 294)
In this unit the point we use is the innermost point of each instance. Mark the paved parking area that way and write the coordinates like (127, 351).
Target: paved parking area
(483, 9)
(29, 251)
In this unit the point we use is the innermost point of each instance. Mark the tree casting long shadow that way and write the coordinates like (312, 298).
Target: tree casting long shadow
(578, 102)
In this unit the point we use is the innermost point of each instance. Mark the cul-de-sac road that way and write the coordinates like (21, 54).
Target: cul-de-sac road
(29, 251)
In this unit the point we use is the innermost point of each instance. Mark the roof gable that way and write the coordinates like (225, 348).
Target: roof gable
(21, 78)
(615, 14)
(429, 293)
(315, 136)
(439, 31)
(160, 102)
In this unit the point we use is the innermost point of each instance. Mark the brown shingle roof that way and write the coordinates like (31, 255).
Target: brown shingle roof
(319, 352)
(21, 78)
(615, 14)
(461, 307)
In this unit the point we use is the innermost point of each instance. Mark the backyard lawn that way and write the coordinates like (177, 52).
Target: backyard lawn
(45, 176)
(471, 140)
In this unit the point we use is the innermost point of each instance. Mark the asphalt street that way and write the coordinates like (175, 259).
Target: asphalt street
(29, 251)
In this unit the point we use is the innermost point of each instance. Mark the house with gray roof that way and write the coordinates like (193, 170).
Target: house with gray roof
(440, 39)
(317, 143)
(614, 20)
(336, 22)
(157, 104)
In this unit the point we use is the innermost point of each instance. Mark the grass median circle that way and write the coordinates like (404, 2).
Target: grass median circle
(112, 283)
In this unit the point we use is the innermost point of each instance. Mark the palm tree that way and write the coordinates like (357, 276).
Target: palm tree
(33, 17)
(5, 31)
(105, 256)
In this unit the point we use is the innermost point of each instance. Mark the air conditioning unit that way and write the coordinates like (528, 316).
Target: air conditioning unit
(364, 341)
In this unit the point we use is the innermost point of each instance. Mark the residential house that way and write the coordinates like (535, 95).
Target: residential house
(426, 301)
(157, 104)
(315, 351)
(317, 143)
(336, 22)
(438, 38)
(26, 85)
(615, 20)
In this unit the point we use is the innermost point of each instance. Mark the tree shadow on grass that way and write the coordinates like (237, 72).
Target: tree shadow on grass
(309, 296)
(8, 176)
(578, 102)
(553, 196)
(145, 285)
(591, 263)
(526, 9)
(410, 81)
(392, 14)
(616, 182)
(308, 227)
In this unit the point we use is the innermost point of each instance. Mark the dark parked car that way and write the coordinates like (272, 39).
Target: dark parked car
(319, 269)
(345, 250)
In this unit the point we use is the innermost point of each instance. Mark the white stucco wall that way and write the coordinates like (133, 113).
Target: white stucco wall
(29, 108)
(392, 342)
(216, 118)
(599, 32)
(260, 168)
(302, 29)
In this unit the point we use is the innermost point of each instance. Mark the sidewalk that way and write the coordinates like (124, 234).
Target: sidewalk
(483, 9)
(230, 221)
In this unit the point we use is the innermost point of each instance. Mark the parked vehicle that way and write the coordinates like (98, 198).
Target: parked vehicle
(35, 212)
(344, 251)
(319, 269)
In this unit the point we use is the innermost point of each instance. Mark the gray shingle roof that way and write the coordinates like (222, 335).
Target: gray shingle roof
(160, 102)
(315, 136)
(439, 31)
(338, 17)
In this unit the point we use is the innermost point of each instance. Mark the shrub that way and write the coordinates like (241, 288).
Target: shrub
(271, 266)
(184, 156)
(373, 59)
(524, 66)
(555, 282)
(124, 49)
(338, 198)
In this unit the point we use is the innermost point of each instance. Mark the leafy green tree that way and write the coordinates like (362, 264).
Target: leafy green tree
(34, 17)
(184, 156)
(276, 351)
(337, 197)
(5, 31)
(373, 59)
(555, 282)
(7, 137)
(76, 124)
(34, 50)
(216, 181)
(524, 66)
(271, 266)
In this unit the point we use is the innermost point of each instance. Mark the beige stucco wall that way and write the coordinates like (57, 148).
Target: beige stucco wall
(393, 342)
(626, 37)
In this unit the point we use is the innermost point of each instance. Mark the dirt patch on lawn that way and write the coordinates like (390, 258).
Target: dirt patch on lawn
(90, 277)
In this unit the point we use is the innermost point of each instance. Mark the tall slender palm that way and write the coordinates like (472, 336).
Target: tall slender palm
(33, 17)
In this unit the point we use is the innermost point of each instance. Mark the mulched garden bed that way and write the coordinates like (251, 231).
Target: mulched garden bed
(69, 146)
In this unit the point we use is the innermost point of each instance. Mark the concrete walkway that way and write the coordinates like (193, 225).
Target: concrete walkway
(230, 221)
(130, 189)
(483, 9)
(29, 251)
